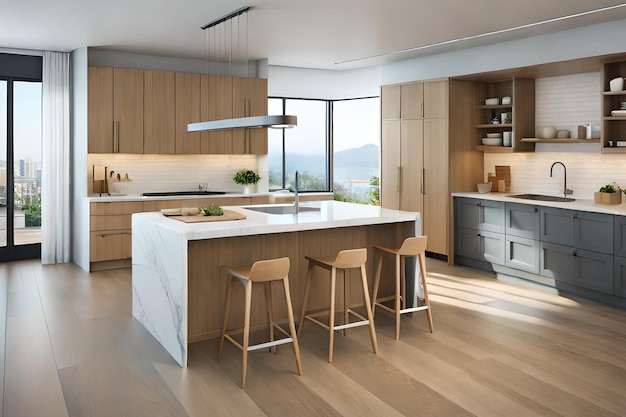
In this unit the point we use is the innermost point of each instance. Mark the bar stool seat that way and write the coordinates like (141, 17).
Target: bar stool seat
(412, 246)
(263, 272)
(345, 259)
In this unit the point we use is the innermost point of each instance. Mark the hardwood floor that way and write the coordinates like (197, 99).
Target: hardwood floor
(498, 349)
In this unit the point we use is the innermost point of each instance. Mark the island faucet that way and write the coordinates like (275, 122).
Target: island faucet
(566, 190)
(295, 193)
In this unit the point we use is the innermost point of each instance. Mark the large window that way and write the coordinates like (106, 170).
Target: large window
(345, 132)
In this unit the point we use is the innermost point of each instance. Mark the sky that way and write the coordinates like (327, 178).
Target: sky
(27, 120)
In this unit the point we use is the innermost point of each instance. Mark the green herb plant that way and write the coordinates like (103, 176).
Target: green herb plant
(246, 176)
(611, 188)
(212, 210)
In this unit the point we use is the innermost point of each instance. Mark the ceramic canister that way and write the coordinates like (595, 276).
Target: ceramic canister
(616, 84)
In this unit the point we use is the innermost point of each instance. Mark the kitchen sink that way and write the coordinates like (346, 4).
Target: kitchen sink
(281, 208)
(541, 197)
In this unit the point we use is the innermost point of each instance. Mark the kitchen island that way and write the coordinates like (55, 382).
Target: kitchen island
(179, 285)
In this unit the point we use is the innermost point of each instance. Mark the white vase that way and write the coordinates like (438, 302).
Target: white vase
(249, 188)
(616, 84)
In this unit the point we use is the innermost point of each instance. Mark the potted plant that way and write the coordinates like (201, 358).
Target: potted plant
(246, 177)
(608, 194)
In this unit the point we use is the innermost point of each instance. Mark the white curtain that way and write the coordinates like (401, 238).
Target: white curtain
(55, 187)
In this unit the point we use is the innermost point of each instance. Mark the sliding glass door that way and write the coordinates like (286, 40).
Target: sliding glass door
(20, 168)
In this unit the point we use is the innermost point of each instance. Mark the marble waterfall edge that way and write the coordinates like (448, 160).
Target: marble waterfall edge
(159, 292)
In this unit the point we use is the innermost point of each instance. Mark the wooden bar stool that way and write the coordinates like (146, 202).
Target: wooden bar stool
(346, 259)
(412, 246)
(263, 272)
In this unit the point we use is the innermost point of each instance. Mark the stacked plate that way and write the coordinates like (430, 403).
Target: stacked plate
(493, 139)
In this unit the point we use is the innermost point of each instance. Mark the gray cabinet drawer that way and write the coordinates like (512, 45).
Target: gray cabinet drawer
(480, 245)
(522, 220)
(557, 226)
(594, 232)
(522, 253)
(578, 267)
(473, 213)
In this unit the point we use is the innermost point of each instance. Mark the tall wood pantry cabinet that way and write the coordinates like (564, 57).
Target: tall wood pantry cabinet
(414, 149)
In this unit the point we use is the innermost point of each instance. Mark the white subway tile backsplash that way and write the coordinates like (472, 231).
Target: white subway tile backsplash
(150, 173)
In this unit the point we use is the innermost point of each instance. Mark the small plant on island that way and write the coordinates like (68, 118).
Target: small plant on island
(246, 177)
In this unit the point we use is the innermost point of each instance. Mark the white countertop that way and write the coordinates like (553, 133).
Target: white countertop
(138, 197)
(578, 204)
(332, 214)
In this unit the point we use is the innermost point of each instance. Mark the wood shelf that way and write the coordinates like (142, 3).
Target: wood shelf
(495, 149)
(565, 140)
(614, 149)
(615, 118)
(495, 107)
(495, 126)
(614, 93)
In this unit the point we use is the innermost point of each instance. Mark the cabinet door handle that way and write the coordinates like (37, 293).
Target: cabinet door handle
(422, 109)
(399, 187)
(424, 181)
(575, 216)
(574, 252)
(116, 142)
(536, 210)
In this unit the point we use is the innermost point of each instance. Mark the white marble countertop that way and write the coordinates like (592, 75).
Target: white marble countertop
(138, 197)
(331, 214)
(578, 204)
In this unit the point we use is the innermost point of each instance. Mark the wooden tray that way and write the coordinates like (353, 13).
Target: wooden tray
(228, 215)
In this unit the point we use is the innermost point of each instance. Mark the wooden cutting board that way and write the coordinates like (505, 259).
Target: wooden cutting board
(228, 215)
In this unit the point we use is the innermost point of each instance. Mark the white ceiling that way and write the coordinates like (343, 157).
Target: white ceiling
(299, 33)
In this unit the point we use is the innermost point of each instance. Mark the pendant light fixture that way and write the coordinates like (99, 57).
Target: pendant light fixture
(273, 121)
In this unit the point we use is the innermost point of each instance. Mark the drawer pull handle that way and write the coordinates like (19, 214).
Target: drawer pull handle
(536, 210)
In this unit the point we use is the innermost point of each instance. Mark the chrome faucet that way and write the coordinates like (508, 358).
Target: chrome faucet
(295, 193)
(566, 191)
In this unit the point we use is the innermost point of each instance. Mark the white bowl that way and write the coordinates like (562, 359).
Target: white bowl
(548, 132)
(506, 100)
(483, 187)
(494, 135)
(492, 141)
(492, 101)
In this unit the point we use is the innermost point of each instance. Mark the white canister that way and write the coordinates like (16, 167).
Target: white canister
(616, 84)
(507, 138)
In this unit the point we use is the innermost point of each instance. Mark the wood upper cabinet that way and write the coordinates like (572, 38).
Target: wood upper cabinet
(249, 99)
(216, 103)
(159, 112)
(412, 101)
(187, 111)
(115, 110)
(100, 110)
(128, 109)
(390, 102)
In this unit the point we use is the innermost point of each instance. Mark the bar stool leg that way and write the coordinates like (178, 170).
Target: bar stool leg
(292, 325)
(246, 332)
(398, 290)
(379, 269)
(229, 288)
(346, 300)
(426, 301)
(368, 308)
(267, 287)
(331, 317)
(305, 299)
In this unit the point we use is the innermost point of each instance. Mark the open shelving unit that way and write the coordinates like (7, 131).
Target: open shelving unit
(613, 127)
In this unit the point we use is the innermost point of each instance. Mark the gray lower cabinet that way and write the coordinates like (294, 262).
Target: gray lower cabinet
(473, 213)
(619, 237)
(583, 230)
(582, 268)
(578, 249)
(522, 253)
(522, 220)
(619, 276)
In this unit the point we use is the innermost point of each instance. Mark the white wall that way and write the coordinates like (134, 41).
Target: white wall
(80, 206)
(323, 84)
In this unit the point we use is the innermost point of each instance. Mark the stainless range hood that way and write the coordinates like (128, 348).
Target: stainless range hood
(274, 121)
